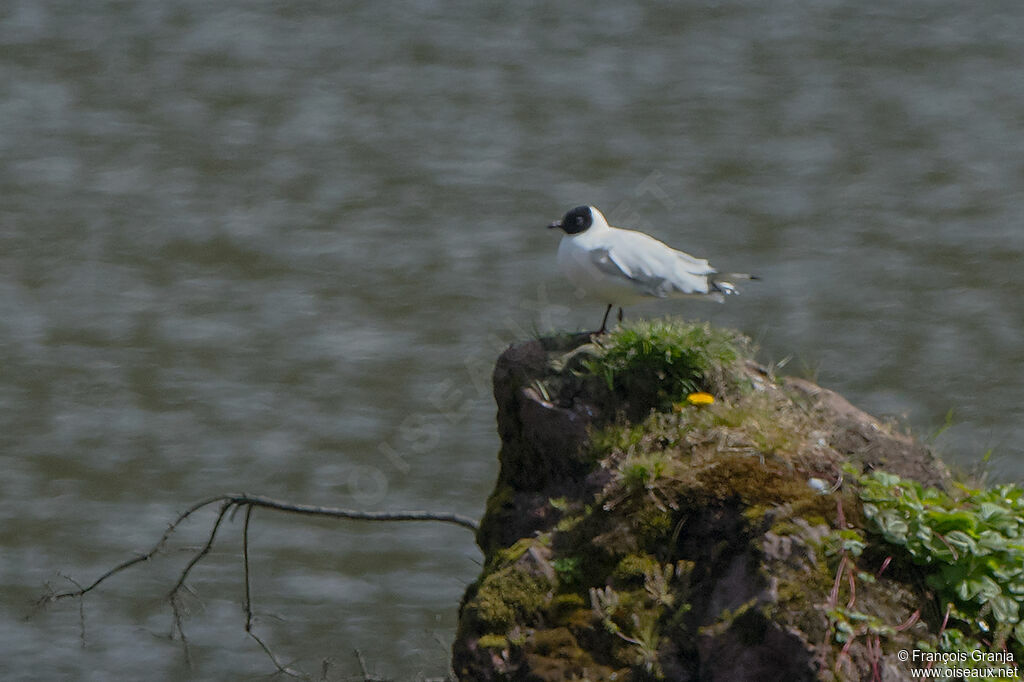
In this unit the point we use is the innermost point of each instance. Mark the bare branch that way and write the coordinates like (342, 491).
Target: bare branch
(236, 500)
(229, 505)
(356, 515)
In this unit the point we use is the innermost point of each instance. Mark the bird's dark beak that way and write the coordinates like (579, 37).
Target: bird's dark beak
(555, 225)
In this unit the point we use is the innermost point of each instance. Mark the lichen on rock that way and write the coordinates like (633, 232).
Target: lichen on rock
(634, 534)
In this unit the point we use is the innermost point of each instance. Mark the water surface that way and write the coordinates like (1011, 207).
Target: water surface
(275, 248)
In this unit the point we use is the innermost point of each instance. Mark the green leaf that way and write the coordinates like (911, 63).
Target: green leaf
(972, 544)
(887, 480)
(992, 541)
(988, 589)
(947, 521)
(854, 547)
(892, 525)
(962, 542)
(1005, 609)
(988, 511)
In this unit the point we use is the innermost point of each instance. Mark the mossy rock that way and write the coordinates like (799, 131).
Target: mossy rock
(637, 535)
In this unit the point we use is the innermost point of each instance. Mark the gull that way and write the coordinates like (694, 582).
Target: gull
(621, 267)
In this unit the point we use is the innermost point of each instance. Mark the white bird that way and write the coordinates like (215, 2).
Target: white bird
(620, 267)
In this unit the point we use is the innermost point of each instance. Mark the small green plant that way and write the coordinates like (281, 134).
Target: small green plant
(641, 471)
(559, 503)
(666, 359)
(971, 546)
(622, 437)
(649, 474)
(656, 584)
(644, 634)
(568, 570)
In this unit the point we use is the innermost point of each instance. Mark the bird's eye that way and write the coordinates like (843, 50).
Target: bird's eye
(579, 220)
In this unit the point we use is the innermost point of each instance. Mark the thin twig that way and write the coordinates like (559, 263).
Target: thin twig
(245, 565)
(248, 603)
(367, 677)
(277, 664)
(81, 609)
(853, 586)
(909, 622)
(833, 597)
(173, 596)
(845, 651)
(128, 563)
(224, 508)
(176, 611)
(876, 657)
(362, 664)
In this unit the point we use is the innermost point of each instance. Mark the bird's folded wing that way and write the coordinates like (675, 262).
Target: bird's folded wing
(658, 272)
(647, 284)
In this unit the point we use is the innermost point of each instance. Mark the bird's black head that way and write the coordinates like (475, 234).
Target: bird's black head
(575, 221)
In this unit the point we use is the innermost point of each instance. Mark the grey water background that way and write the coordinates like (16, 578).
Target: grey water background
(275, 247)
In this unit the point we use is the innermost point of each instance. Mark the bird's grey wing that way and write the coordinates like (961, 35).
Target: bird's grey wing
(658, 269)
(614, 264)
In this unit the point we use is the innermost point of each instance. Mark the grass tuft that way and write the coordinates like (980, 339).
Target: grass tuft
(664, 360)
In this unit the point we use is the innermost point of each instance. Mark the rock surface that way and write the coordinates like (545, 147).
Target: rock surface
(702, 543)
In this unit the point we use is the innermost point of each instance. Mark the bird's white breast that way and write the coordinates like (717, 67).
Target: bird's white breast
(576, 261)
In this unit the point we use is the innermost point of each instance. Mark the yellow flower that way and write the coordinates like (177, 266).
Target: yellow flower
(700, 398)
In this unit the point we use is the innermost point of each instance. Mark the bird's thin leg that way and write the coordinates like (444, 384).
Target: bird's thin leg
(604, 320)
(620, 315)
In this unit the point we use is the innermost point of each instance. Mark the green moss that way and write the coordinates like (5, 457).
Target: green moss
(559, 503)
(761, 423)
(653, 525)
(493, 642)
(554, 655)
(567, 523)
(505, 597)
(501, 497)
(621, 437)
(631, 570)
(745, 619)
(814, 520)
(786, 527)
(555, 640)
(563, 607)
(504, 557)
(748, 479)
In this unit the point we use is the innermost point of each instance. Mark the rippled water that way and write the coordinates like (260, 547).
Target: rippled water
(276, 247)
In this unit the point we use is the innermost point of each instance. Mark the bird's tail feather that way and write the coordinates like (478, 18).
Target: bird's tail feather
(720, 281)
